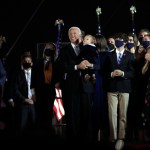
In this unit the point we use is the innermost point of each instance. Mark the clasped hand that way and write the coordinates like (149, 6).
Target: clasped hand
(117, 73)
(84, 65)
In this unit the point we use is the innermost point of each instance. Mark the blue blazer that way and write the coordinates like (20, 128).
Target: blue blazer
(120, 84)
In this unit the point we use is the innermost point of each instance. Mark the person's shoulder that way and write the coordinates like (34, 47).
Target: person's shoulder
(65, 44)
(89, 47)
(128, 52)
(110, 52)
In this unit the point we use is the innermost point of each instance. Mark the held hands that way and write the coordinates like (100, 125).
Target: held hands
(84, 65)
(29, 101)
(87, 63)
(117, 73)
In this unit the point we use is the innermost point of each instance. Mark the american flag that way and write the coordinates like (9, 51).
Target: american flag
(58, 105)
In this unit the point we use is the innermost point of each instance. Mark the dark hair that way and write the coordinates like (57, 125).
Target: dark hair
(121, 35)
(26, 54)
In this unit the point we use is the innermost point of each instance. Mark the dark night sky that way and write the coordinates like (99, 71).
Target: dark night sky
(25, 23)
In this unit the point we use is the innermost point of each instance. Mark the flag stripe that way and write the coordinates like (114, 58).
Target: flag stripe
(58, 105)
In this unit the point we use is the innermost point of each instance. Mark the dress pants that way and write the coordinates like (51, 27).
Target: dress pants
(117, 110)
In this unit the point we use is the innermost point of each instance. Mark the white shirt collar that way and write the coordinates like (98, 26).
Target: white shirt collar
(27, 71)
(117, 51)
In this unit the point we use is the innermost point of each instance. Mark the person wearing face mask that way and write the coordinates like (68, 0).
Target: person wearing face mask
(146, 44)
(24, 97)
(141, 50)
(44, 84)
(132, 43)
(132, 46)
(144, 116)
(119, 72)
(111, 43)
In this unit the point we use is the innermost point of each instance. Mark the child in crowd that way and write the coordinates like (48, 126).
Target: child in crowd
(89, 53)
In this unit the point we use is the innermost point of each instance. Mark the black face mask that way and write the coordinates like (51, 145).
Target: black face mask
(27, 65)
(49, 52)
(111, 46)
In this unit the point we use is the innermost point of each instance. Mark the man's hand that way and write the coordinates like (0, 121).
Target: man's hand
(82, 65)
(29, 101)
(87, 63)
(117, 73)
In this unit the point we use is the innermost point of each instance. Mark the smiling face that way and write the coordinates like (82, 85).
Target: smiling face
(74, 35)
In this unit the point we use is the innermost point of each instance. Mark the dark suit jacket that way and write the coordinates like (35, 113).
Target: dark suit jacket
(71, 77)
(121, 84)
(23, 111)
(72, 89)
(68, 60)
(21, 87)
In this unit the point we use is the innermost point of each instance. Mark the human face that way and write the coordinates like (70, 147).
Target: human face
(111, 40)
(27, 63)
(146, 38)
(87, 40)
(142, 34)
(74, 35)
(130, 39)
(146, 41)
(27, 60)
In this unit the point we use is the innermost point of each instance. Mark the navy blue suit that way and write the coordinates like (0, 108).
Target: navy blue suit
(118, 90)
(121, 84)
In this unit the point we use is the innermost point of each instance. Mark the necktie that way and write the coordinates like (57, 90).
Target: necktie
(77, 50)
(119, 58)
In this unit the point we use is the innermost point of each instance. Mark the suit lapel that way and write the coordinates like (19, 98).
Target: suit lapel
(115, 57)
(72, 52)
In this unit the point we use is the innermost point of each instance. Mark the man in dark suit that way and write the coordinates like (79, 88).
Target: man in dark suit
(119, 73)
(24, 96)
(70, 65)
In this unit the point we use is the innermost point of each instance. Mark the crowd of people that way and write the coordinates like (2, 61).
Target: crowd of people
(104, 83)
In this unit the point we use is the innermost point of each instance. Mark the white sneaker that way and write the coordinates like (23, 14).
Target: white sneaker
(119, 145)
